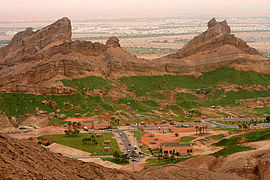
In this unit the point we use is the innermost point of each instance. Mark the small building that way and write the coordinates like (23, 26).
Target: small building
(107, 149)
(174, 147)
(96, 124)
(107, 141)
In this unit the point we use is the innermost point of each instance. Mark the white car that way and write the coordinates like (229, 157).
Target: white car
(128, 150)
(123, 139)
(120, 133)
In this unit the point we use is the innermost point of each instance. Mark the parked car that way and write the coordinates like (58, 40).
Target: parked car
(85, 128)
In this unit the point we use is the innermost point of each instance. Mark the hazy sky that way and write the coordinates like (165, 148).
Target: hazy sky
(77, 9)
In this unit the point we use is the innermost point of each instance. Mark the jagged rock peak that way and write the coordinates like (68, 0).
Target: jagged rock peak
(217, 35)
(113, 42)
(59, 31)
(215, 27)
(212, 22)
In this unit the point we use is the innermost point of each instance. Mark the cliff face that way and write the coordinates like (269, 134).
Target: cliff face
(33, 61)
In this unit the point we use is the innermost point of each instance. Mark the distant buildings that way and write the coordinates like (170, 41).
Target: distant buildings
(174, 147)
(96, 124)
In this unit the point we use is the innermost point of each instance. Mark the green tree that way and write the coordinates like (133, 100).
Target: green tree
(67, 133)
(172, 158)
(267, 118)
(116, 155)
(166, 156)
(78, 125)
(69, 124)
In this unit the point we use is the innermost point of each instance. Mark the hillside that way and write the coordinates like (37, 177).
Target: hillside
(151, 98)
(44, 73)
(22, 159)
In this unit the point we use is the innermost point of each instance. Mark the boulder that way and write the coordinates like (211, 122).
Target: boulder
(52, 115)
(62, 116)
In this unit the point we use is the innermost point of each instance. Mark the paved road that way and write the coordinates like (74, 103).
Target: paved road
(87, 157)
(125, 140)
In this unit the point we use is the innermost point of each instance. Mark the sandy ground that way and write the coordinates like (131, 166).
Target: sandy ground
(39, 132)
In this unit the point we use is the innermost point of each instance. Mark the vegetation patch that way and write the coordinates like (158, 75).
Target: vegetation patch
(57, 122)
(187, 139)
(163, 160)
(227, 129)
(88, 83)
(217, 137)
(257, 135)
(231, 150)
(77, 143)
(116, 161)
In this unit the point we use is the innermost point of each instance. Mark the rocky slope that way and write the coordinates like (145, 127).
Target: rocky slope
(34, 61)
(22, 159)
(213, 49)
(253, 165)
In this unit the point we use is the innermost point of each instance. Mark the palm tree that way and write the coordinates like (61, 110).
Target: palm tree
(74, 125)
(69, 124)
(172, 157)
(166, 156)
(159, 157)
(76, 131)
(67, 132)
(200, 130)
(116, 155)
(95, 142)
(239, 126)
(78, 124)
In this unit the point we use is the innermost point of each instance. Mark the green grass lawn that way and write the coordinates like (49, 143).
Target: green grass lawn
(256, 135)
(187, 139)
(76, 142)
(57, 122)
(239, 122)
(138, 134)
(157, 162)
(116, 161)
(217, 137)
(232, 149)
(227, 129)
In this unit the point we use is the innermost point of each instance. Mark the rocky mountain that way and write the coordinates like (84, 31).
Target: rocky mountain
(23, 159)
(213, 49)
(33, 61)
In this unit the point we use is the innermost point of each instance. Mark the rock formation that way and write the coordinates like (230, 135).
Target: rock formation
(34, 62)
(251, 165)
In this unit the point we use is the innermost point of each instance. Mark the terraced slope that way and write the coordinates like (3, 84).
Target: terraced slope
(220, 93)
